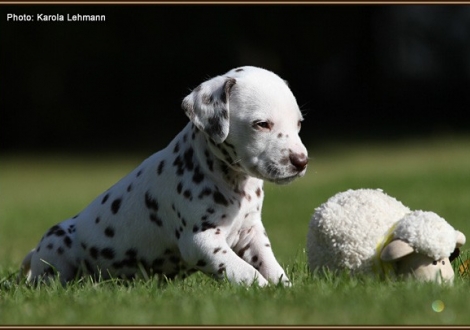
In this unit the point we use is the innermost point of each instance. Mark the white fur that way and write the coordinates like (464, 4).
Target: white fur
(427, 233)
(352, 228)
(344, 231)
(195, 205)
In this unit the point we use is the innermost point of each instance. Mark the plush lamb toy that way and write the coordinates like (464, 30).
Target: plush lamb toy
(367, 231)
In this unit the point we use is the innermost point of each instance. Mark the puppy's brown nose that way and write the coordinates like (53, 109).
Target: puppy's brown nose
(299, 161)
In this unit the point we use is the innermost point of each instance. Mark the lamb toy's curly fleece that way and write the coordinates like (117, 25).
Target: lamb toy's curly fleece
(348, 230)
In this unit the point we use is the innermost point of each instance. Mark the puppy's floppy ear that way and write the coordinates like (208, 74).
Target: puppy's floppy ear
(208, 107)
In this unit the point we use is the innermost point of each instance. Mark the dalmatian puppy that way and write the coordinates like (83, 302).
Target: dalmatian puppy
(195, 205)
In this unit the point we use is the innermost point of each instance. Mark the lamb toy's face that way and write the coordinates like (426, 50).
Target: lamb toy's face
(408, 263)
(424, 268)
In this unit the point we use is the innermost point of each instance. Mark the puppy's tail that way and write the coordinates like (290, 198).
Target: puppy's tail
(25, 269)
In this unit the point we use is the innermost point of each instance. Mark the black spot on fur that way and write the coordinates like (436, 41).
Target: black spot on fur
(239, 70)
(195, 229)
(131, 253)
(116, 205)
(224, 168)
(177, 147)
(67, 241)
(139, 173)
(207, 225)
(84, 246)
(217, 250)
(205, 192)
(60, 250)
(243, 250)
(52, 230)
(210, 164)
(50, 246)
(75, 217)
(97, 220)
(201, 263)
(209, 161)
(105, 198)
(188, 159)
(215, 126)
(198, 176)
(60, 232)
(179, 188)
(129, 187)
(150, 202)
(154, 218)
(107, 253)
(160, 167)
(187, 194)
(109, 231)
(71, 229)
(220, 199)
(210, 210)
(177, 234)
(94, 252)
(179, 165)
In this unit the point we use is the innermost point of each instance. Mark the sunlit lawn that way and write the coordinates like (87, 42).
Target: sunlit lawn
(37, 191)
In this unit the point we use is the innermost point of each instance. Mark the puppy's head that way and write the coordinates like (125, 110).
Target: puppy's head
(252, 116)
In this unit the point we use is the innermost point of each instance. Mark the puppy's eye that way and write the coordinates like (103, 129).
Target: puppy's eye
(434, 262)
(263, 125)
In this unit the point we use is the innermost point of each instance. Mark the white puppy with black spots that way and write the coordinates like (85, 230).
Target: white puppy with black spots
(195, 205)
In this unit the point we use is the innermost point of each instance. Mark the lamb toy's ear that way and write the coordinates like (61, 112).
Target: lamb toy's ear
(208, 107)
(395, 250)
(460, 238)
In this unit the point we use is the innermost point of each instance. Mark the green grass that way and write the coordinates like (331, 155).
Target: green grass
(37, 191)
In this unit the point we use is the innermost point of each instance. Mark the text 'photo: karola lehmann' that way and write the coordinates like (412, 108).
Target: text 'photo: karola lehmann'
(40, 17)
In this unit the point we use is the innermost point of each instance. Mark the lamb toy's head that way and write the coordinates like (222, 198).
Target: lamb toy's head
(423, 246)
(367, 231)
